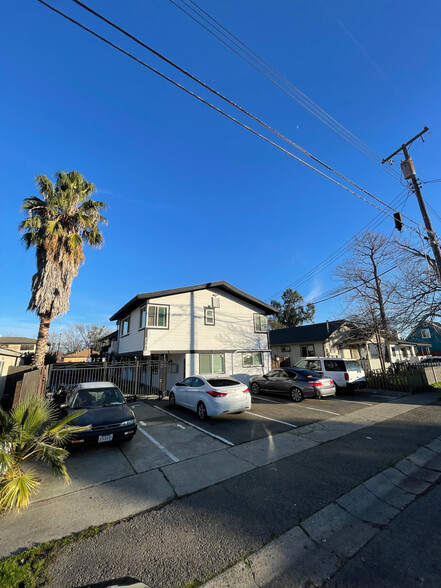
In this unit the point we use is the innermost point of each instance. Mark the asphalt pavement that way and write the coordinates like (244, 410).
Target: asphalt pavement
(200, 534)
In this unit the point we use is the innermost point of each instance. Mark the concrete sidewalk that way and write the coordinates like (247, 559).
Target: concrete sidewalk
(317, 549)
(118, 499)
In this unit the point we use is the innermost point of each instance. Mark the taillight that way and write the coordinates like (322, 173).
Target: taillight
(315, 383)
(246, 391)
(347, 377)
(331, 382)
(215, 394)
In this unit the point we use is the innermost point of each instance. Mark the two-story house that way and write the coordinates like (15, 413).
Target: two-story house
(427, 337)
(211, 328)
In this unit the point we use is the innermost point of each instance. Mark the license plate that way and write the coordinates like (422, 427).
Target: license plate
(104, 438)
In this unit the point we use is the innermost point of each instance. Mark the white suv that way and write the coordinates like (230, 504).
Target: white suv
(346, 373)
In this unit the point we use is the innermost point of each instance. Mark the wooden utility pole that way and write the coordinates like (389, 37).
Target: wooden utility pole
(410, 175)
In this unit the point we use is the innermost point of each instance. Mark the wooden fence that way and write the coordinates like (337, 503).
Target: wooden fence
(403, 378)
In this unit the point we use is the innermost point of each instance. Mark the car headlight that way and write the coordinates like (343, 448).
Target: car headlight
(129, 422)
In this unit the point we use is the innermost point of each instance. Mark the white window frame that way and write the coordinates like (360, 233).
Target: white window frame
(210, 355)
(125, 321)
(254, 355)
(308, 350)
(157, 306)
(425, 333)
(258, 328)
(210, 321)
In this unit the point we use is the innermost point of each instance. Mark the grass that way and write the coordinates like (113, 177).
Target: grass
(29, 568)
(436, 385)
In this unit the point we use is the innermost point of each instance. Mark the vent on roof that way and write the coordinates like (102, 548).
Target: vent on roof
(215, 301)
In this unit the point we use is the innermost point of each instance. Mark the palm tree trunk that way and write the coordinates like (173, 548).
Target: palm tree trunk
(43, 334)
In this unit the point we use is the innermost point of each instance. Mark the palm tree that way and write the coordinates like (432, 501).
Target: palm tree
(58, 225)
(30, 430)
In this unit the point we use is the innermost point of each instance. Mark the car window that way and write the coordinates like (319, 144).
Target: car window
(309, 374)
(221, 382)
(353, 366)
(272, 374)
(291, 374)
(197, 383)
(187, 382)
(334, 365)
(302, 363)
(314, 365)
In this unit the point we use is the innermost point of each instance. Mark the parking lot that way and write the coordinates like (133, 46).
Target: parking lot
(166, 436)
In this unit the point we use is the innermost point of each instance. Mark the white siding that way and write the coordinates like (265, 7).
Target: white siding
(233, 366)
(134, 341)
(233, 328)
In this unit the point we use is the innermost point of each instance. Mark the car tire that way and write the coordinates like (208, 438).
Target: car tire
(171, 400)
(296, 395)
(202, 411)
(318, 395)
(255, 389)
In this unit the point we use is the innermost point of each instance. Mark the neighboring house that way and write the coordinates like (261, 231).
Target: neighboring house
(427, 337)
(108, 346)
(80, 356)
(8, 358)
(21, 344)
(340, 338)
(211, 328)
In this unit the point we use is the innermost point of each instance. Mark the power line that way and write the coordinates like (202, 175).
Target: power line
(332, 258)
(220, 111)
(218, 94)
(264, 68)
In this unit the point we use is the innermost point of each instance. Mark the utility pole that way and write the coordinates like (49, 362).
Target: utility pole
(409, 174)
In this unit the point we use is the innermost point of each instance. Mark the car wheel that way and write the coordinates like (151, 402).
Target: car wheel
(202, 411)
(255, 388)
(318, 395)
(296, 395)
(171, 400)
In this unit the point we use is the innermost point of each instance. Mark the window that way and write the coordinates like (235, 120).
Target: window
(209, 316)
(425, 333)
(158, 316)
(286, 349)
(307, 350)
(26, 347)
(260, 323)
(333, 365)
(125, 326)
(142, 314)
(212, 363)
(313, 365)
(252, 359)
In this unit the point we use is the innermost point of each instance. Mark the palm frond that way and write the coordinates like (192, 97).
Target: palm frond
(32, 203)
(45, 186)
(32, 415)
(17, 492)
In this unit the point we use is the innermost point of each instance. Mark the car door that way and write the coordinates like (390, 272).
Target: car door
(285, 381)
(195, 392)
(268, 381)
(183, 391)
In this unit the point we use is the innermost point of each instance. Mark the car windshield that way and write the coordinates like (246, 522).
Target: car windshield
(221, 382)
(353, 366)
(97, 398)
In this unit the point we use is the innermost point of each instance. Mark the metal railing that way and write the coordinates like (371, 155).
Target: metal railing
(137, 378)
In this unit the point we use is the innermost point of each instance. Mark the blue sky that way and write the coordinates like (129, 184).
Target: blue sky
(193, 197)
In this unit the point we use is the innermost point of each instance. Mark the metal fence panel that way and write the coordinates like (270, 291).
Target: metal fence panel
(138, 378)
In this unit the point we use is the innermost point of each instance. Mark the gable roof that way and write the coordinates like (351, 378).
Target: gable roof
(224, 286)
(16, 340)
(305, 333)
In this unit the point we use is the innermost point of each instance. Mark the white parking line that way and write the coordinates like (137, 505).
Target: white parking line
(268, 419)
(356, 402)
(267, 400)
(195, 426)
(319, 410)
(161, 447)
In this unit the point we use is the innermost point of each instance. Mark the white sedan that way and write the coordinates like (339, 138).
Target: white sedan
(211, 396)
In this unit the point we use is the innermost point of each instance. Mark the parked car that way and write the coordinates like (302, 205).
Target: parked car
(109, 416)
(433, 360)
(346, 373)
(293, 382)
(211, 396)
